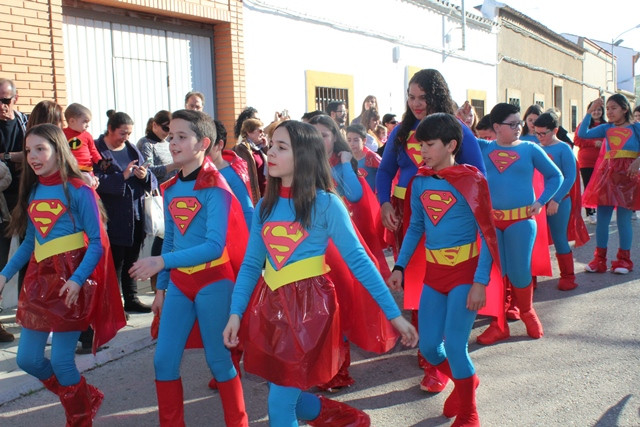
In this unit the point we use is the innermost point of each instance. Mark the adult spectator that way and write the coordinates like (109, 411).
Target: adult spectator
(369, 102)
(249, 148)
(123, 182)
(370, 120)
(45, 112)
(247, 113)
(337, 110)
(12, 130)
(389, 121)
(194, 101)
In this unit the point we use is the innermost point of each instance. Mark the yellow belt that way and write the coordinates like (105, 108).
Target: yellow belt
(452, 256)
(400, 192)
(59, 245)
(511, 214)
(621, 154)
(209, 264)
(303, 269)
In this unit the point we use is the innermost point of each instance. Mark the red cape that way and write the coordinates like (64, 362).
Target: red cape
(540, 256)
(237, 233)
(469, 182)
(239, 166)
(107, 310)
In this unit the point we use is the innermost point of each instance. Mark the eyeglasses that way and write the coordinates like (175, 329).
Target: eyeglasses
(513, 125)
(341, 111)
(542, 134)
(393, 122)
(6, 101)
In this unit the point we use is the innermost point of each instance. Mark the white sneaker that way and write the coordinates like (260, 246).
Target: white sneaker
(621, 270)
(591, 219)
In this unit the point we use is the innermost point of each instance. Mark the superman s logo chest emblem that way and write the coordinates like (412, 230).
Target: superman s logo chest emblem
(502, 159)
(413, 149)
(617, 137)
(183, 210)
(281, 239)
(437, 203)
(45, 213)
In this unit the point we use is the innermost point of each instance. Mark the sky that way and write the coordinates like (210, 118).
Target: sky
(598, 20)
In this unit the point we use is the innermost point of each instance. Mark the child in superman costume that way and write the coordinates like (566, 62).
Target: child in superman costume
(450, 204)
(205, 237)
(291, 328)
(510, 167)
(70, 282)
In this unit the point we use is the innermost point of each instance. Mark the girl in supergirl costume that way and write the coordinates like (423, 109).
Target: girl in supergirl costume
(563, 211)
(205, 237)
(368, 161)
(428, 93)
(614, 183)
(70, 283)
(291, 324)
(510, 166)
(450, 204)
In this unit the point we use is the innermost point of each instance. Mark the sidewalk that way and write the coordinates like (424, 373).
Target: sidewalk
(134, 336)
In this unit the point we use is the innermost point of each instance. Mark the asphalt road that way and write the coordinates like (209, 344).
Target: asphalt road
(585, 371)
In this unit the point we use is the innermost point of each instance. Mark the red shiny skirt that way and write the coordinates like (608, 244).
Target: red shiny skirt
(39, 306)
(611, 185)
(291, 336)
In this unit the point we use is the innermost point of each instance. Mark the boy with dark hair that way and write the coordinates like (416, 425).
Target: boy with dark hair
(204, 241)
(451, 204)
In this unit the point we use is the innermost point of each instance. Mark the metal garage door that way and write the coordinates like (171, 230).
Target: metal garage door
(136, 69)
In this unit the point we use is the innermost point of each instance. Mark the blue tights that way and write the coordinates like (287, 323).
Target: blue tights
(211, 308)
(625, 231)
(63, 351)
(288, 404)
(558, 224)
(444, 324)
(516, 245)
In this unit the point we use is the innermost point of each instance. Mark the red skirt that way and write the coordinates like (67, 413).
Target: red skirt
(611, 185)
(291, 336)
(39, 306)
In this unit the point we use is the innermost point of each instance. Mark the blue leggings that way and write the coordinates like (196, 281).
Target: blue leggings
(444, 324)
(558, 225)
(288, 404)
(63, 351)
(516, 245)
(211, 308)
(625, 231)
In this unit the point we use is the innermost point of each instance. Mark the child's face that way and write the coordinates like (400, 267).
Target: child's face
(355, 141)
(184, 146)
(545, 136)
(436, 155)
(41, 155)
(636, 116)
(327, 137)
(487, 134)
(509, 130)
(615, 113)
(280, 157)
(80, 123)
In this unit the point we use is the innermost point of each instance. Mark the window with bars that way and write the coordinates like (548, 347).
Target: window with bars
(514, 101)
(478, 105)
(540, 103)
(574, 118)
(325, 95)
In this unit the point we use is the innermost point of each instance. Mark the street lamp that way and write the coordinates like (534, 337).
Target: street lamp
(616, 42)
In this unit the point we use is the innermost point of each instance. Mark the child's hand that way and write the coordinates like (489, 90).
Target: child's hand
(389, 219)
(633, 168)
(394, 282)
(552, 208)
(345, 156)
(230, 333)
(406, 329)
(3, 281)
(535, 208)
(72, 289)
(129, 169)
(596, 104)
(146, 267)
(158, 302)
(477, 297)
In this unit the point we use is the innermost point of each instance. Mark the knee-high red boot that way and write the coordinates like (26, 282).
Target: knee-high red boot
(170, 403)
(342, 378)
(77, 402)
(524, 301)
(468, 413)
(567, 279)
(452, 404)
(52, 385)
(232, 399)
(338, 414)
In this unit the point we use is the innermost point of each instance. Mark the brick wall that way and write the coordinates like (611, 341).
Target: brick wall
(31, 46)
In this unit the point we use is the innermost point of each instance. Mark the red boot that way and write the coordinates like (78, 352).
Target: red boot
(170, 403)
(468, 414)
(623, 264)
(599, 262)
(338, 414)
(52, 385)
(422, 362)
(76, 400)
(233, 403)
(236, 355)
(524, 301)
(451, 405)
(342, 378)
(512, 311)
(493, 334)
(434, 381)
(567, 279)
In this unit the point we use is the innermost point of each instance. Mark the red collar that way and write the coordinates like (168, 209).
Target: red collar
(285, 192)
